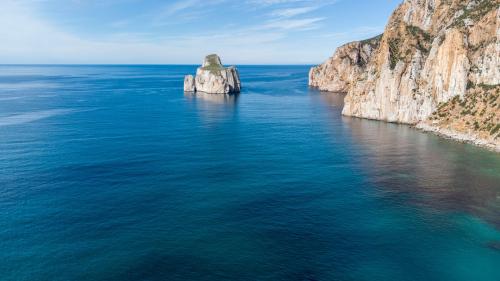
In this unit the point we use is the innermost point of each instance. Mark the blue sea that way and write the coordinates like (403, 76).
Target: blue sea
(113, 173)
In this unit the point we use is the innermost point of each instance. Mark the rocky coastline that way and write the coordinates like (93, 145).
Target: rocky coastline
(469, 137)
(436, 67)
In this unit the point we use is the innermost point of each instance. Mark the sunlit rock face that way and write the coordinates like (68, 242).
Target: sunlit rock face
(189, 85)
(342, 70)
(431, 53)
(213, 78)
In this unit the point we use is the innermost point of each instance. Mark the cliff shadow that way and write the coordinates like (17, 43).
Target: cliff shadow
(426, 170)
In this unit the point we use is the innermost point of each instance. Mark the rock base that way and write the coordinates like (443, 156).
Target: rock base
(457, 136)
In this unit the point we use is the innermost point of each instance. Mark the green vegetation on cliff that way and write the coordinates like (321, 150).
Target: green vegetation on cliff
(478, 110)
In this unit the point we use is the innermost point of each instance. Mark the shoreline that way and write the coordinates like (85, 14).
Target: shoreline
(424, 127)
(457, 136)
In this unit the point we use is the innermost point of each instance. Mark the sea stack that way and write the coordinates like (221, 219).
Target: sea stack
(213, 78)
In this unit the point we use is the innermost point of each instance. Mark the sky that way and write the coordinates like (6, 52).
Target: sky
(184, 31)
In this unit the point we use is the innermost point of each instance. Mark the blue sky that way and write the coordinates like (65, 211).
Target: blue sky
(183, 31)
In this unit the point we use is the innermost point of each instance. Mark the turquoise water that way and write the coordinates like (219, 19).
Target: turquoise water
(112, 173)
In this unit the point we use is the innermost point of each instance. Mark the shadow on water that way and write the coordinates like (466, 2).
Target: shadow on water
(213, 108)
(223, 99)
(335, 100)
(424, 169)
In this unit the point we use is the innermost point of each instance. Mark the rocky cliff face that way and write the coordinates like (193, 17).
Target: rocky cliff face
(340, 72)
(213, 78)
(431, 53)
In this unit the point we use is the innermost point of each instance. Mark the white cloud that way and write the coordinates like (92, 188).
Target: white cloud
(183, 11)
(28, 38)
(292, 12)
(295, 24)
(179, 6)
(273, 2)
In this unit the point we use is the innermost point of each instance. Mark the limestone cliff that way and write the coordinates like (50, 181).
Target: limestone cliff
(342, 70)
(213, 78)
(435, 56)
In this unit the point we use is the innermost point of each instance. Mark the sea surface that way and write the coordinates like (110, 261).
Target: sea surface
(113, 173)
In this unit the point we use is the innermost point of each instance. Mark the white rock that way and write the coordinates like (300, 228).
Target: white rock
(213, 78)
(343, 69)
(189, 85)
(427, 56)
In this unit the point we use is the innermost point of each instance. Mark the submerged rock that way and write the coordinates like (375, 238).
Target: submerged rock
(495, 245)
(213, 78)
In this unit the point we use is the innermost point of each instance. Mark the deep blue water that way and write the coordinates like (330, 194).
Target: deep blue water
(112, 173)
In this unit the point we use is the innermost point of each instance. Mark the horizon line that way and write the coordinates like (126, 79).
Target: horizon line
(143, 64)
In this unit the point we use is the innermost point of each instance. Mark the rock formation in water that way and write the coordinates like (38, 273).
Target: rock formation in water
(189, 85)
(213, 78)
(436, 66)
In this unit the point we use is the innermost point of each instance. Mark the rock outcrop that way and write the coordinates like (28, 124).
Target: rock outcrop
(341, 71)
(189, 85)
(436, 66)
(213, 78)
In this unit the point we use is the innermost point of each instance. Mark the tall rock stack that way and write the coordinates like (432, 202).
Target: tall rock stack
(213, 78)
(436, 66)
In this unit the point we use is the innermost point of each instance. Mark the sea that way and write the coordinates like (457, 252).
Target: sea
(112, 172)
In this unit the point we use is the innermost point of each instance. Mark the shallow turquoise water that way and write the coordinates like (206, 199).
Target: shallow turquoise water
(112, 173)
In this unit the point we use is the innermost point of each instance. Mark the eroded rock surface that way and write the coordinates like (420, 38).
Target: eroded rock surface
(213, 78)
(189, 85)
(342, 70)
(432, 52)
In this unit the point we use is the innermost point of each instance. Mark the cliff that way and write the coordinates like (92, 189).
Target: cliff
(340, 72)
(213, 78)
(437, 66)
